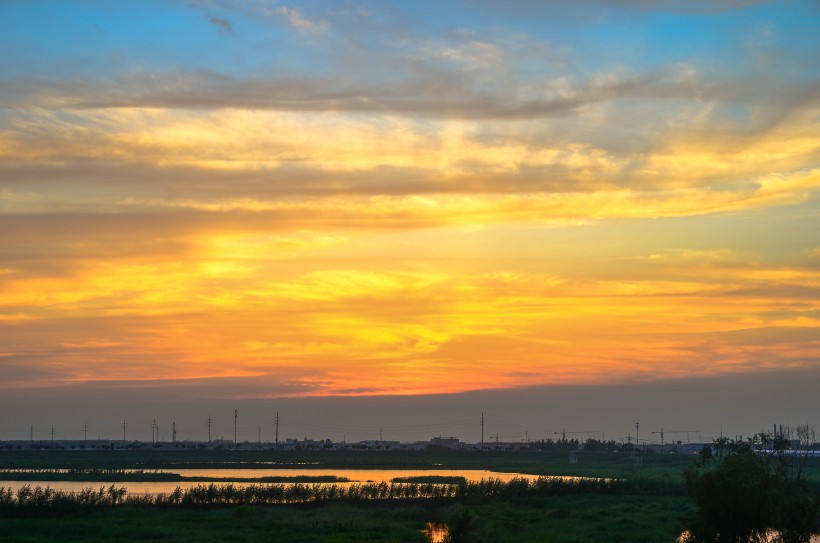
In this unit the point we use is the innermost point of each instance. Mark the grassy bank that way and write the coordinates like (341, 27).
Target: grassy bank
(592, 464)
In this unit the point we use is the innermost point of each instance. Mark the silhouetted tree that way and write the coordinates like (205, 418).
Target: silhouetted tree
(747, 489)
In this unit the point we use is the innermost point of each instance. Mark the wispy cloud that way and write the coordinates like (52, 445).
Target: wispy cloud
(297, 20)
(223, 24)
(448, 200)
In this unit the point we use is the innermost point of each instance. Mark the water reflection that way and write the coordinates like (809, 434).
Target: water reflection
(355, 475)
(435, 532)
(237, 475)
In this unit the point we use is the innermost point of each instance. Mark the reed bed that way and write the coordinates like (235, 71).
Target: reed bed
(40, 498)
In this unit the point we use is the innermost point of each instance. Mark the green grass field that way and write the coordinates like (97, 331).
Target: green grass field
(576, 519)
(595, 464)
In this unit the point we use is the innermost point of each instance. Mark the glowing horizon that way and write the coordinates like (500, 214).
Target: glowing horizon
(405, 200)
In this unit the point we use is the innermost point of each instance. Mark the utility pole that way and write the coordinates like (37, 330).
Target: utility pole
(85, 432)
(52, 436)
(210, 422)
(124, 426)
(277, 431)
(637, 443)
(482, 432)
(153, 430)
(235, 417)
(174, 431)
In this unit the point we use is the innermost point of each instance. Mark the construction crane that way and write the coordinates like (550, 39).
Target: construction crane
(687, 432)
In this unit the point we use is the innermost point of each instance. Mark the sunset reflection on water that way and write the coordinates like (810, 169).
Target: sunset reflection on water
(435, 532)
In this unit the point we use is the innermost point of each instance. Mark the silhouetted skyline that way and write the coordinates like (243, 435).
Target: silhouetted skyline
(735, 405)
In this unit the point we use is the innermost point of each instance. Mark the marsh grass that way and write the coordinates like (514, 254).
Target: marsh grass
(621, 503)
(38, 498)
(591, 464)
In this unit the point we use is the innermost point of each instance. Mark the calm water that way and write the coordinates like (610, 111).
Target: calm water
(356, 476)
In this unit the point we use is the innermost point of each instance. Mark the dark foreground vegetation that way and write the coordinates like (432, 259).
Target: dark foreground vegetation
(620, 501)
(754, 490)
(561, 519)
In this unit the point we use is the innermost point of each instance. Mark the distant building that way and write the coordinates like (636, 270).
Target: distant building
(447, 442)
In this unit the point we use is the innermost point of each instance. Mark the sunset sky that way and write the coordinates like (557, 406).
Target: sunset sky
(248, 200)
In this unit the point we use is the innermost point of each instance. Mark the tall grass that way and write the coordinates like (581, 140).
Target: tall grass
(27, 498)
(40, 498)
